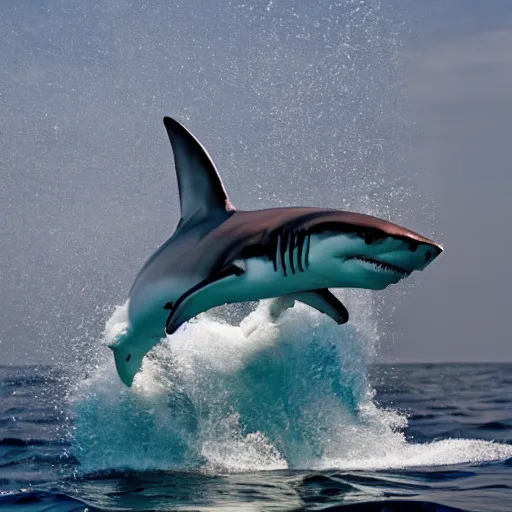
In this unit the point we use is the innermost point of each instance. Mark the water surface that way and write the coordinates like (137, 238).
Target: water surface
(456, 452)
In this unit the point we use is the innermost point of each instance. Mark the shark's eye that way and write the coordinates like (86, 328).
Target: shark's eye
(128, 357)
(368, 238)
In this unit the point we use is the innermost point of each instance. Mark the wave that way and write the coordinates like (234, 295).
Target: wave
(255, 396)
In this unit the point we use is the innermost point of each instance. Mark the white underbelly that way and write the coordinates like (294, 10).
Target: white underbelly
(261, 280)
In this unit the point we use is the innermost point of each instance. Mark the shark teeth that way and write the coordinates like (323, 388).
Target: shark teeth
(382, 265)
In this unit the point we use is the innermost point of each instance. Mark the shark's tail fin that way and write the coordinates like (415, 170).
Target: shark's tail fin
(202, 194)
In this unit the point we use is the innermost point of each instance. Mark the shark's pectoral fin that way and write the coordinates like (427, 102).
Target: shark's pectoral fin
(324, 301)
(196, 300)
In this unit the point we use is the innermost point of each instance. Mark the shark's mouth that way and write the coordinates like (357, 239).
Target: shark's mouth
(383, 266)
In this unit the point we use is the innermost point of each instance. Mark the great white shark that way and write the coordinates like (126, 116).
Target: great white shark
(218, 255)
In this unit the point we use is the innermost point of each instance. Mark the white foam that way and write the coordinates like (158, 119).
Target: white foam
(439, 453)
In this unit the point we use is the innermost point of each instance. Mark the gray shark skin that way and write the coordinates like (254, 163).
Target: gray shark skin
(219, 255)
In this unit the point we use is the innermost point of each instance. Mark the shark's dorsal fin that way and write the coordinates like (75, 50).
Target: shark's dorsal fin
(202, 193)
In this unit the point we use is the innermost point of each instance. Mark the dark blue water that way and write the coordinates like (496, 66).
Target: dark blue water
(456, 452)
(256, 415)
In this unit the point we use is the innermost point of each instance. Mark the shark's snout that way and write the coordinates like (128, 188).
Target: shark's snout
(424, 254)
(411, 256)
(432, 251)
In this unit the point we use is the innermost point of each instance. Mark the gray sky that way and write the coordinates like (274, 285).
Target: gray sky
(401, 110)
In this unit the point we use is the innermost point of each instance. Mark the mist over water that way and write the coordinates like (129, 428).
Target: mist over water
(299, 104)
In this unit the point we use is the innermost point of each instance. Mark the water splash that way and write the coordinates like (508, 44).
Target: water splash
(257, 395)
(254, 396)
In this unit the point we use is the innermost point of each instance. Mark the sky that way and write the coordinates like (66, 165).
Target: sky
(399, 109)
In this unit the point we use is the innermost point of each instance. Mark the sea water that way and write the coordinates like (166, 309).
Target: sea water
(256, 415)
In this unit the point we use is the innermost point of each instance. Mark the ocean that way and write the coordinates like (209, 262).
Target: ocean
(287, 417)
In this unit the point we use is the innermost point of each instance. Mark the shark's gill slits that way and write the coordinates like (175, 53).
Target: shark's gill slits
(284, 246)
(382, 265)
(308, 244)
(301, 237)
(289, 251)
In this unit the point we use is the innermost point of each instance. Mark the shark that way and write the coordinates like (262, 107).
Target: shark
(220, 255)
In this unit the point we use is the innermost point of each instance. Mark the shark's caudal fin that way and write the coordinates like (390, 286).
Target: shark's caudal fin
(202, 193)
